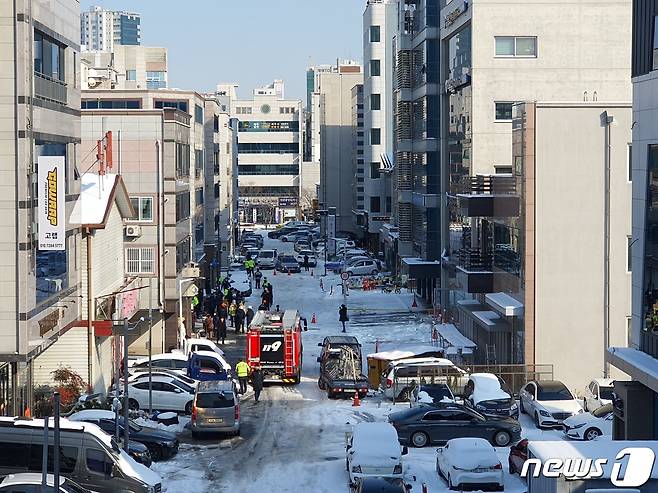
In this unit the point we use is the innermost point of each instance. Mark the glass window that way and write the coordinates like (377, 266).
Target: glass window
(49, 57)
(629, 254)
(375, 136)
(520, 46)
(504, 46)
(131, 74)
(630, 162)
(375, 68)
(375, 102)
(51, 273)
(215, 400)
(655, 43)
(374, 171)
(526, 47)
(650, 254)
(14, 455)
(179, 105)
(375, 205)
(198, 114)
(140, 260)
(503, 111)
(375, 34)
(98, 462)
(143, 208)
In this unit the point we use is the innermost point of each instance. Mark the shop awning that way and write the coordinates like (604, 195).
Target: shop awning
(483, 316)
(637, 364)
(417, 268)
(450, 337)
(504, 304)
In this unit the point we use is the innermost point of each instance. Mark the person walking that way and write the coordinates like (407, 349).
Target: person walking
(231, 313)
(258, 275)
(242, 369)
(210, 328)
(342, 315)
(306, 262)
(249, 316)
(239, 318)
(221, 329)
(257, 382)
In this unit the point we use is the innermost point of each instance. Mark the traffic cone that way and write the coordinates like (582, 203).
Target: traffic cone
(27, 413)
(313, 319)
(356, 402)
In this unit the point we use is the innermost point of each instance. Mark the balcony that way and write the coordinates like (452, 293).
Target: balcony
(475, 270)
(488, 196)
(50, 89)
(649, 343)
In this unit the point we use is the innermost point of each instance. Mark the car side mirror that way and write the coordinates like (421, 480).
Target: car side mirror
(405, 450)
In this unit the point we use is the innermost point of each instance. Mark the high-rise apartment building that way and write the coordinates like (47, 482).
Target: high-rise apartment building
(269, 153)
(379, 28)
(101, 29)
(40, 145)
(636, 410)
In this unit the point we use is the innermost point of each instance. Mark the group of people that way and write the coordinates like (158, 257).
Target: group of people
(225, 306)
(267, 297)
(244, 371)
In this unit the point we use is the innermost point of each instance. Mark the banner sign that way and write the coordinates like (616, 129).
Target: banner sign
(51, 189)
(287, 201)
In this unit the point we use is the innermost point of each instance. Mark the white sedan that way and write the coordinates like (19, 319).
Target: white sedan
(549, 402)
(176, 362)
(169, 394)
(598, 393)
(466, 462)
(312, 260)
(589, 426)
(363, 268)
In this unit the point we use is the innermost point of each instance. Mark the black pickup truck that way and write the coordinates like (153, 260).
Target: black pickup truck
(340, 367)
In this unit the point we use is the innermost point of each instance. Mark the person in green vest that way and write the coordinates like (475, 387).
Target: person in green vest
(242, 369)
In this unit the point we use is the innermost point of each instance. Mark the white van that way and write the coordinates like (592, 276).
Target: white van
(401, 376)
(267, 259)
(373, 450)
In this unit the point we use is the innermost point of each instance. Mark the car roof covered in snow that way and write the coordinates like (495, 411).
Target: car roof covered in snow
(595, 449)
(373, 440)
(487, 388)
(92, 414)
(176, 355)
(404, 352)
(465, 444)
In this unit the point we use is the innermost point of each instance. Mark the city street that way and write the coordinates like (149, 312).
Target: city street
(294, 437)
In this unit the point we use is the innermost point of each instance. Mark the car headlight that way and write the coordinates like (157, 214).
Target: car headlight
(171, 444)
(545, 414)
(578, 426)
(397, 469)
(513, 407)
(516, 429)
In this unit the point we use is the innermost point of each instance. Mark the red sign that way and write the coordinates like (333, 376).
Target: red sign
(129, 301)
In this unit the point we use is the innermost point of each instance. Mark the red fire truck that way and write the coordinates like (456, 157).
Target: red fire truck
(274, 343)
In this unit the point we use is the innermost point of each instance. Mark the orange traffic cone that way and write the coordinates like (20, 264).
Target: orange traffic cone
(356, 402)
(313, 319)
(27, 413)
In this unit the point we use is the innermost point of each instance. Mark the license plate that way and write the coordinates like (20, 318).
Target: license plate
(215, 420)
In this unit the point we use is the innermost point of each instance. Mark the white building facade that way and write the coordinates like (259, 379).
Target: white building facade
(101, 29)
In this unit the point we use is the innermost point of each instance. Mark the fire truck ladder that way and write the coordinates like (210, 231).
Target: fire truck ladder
(288, 353)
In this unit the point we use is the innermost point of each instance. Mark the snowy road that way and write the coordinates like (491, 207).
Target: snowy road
(293, 440)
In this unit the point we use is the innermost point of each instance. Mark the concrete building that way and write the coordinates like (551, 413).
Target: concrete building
(636, 415)
(379, 27)
(501, 240)
(269, 154)
(125, 67)
(40, 122)
(333, 113)
(102, 30)
(357, 153)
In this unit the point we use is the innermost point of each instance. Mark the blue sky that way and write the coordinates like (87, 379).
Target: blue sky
(250, 42)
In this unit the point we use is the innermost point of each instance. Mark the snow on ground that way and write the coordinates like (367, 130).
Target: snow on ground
(293, 439)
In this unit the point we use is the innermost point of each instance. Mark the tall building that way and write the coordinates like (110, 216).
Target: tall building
(379, 27)
(513, 262)
(358, 167)
(40, 145)
(101, 29)
(332, 117)
(126, 67)
(636, 410)
(269, 153)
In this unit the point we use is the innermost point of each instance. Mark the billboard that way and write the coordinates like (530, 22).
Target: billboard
(51, 190)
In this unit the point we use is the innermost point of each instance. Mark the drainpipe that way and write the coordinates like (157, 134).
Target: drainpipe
(607, 121)
(90, 313)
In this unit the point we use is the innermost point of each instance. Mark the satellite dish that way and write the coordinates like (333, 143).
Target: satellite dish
(92, 82)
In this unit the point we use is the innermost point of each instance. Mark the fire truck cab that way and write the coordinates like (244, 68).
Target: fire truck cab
(274, 343)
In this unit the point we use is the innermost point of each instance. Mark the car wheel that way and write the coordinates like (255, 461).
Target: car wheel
(156, 453)
(592, 434)
(374, 272)
(502, 439)
(521, 408)
(538, 422)
(321, 384)
(133, 405)
(420, 439)
(585, 404)
(330, 394)
(188, 408)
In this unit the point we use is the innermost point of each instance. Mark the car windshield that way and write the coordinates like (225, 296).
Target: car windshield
(554, 393)
(436, 393)
(495, 403)
(266, 254)
(606, 393)
(214, 400)
(184, 386)
(603, 411)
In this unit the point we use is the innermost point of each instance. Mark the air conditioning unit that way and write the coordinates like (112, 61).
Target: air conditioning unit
(133, 231)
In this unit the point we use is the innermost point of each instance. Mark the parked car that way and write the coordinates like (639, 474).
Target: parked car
(363, 268)
(470, 462)
(518, 454)
(438, 423)
(208, 365)
(312, 260)
(267, 259)
(381, 485)
(372, 450)
(598, 393)
(302, 245)
(89, 456)
(29, 482)
(161, 444)
(430, 393)
(550, 402)
(294, 236)
(287, 263)
(490, 395)
(216, 408)
(169, 394)
(194, 344)
(278, 233)
(252, 253)
(175, 361)
(143, 373)
(590, 426)
(401, 376)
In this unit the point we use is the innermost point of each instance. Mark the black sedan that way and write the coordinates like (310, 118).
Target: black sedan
(287, 263)
(381, 485)
(424, 425)
(161, 444)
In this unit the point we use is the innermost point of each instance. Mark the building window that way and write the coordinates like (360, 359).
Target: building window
(629, 253)
(655, 43)
(375, 204)
(503, 111)
(51, 274)
(182, 160)
(140, 260)
(111, 104)
(375, 68)
(268, 148)
(630, 162)
(243, 110)
(359, 189)
(198, 114)
(375, 136)
(156, 80)
(179, 105)
(360, 179)
(49, 57)
(143, 208)
(268, 169)
(374, 171)
(388, 205)
(131, 74)
(375, 34)
(375, 102)
(182, 206)
(215, 124)
(198, 196)
(516, 46)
